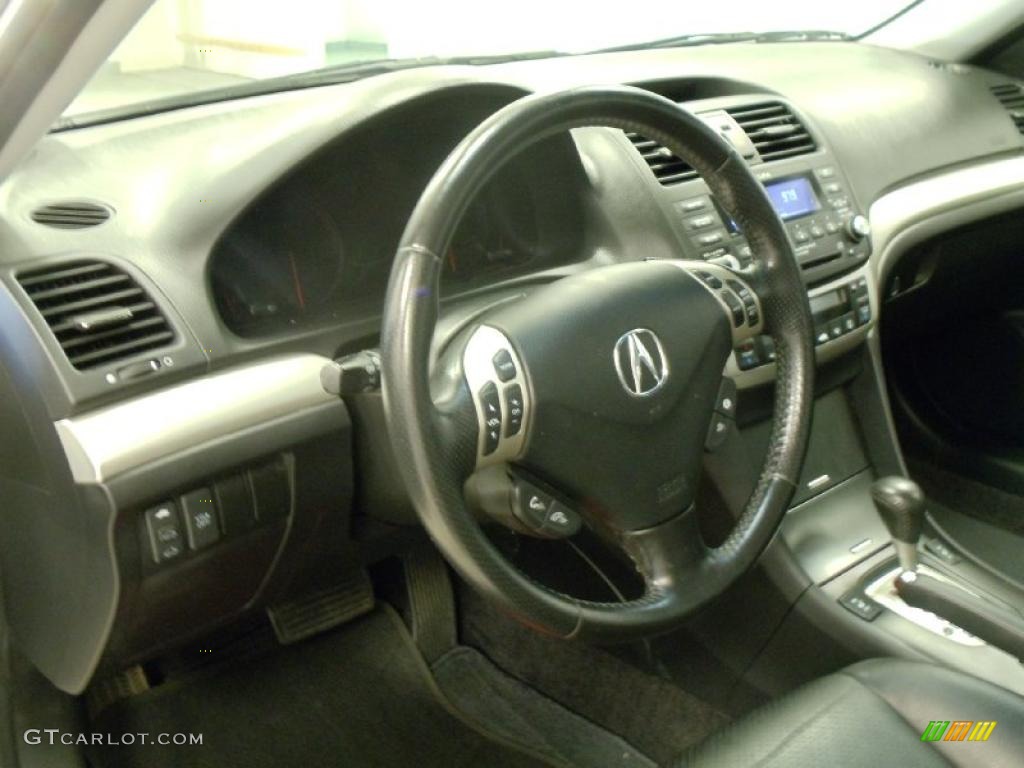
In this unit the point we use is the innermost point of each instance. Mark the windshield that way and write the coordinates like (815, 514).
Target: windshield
(188, 46)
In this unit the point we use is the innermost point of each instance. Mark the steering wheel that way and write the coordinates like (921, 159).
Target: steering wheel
(591, 397)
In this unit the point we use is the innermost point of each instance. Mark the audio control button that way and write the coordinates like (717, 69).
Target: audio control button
(514, 409)
(491, 406)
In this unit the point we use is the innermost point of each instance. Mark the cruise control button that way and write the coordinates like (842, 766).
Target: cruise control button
(725, 402)
(492, 416)
(718, 431)
(514, 409)
(503, 365)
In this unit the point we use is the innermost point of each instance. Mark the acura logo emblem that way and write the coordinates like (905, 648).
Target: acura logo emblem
(640, 362)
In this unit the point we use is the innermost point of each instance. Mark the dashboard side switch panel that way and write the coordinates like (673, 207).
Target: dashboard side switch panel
(163, 526)
(200, 518)
(272, 491)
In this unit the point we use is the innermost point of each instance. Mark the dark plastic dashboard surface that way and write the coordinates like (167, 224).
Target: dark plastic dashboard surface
(177, 182)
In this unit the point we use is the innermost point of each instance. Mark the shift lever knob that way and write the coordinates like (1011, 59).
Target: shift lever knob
(900, 504)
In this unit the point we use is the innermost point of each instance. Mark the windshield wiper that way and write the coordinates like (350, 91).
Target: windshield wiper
(720, 38)
(342, 73)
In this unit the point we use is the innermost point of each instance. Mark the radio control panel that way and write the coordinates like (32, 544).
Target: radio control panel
(829, 235)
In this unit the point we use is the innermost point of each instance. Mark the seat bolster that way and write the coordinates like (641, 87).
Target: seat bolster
(920, 692)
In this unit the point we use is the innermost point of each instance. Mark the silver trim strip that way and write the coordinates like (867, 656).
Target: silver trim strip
(942, 202)
(118, 438)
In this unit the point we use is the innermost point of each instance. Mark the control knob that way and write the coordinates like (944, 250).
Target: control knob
(858, 227)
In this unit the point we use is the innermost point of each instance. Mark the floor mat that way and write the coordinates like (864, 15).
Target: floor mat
(980, 501)
(358, 696)
(652, 714)
(474, 685)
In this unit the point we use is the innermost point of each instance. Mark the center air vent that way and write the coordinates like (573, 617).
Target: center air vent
(98, 312)
(667, 168)
(1011, 96)
(774, 129)
(71, 214)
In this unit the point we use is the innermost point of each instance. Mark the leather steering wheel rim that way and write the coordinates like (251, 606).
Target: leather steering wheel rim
(433, 429)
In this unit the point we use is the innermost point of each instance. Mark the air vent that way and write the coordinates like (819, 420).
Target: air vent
(774, 129)
(1011, 96)
(98, 312)
(667, 168)
(72, 214)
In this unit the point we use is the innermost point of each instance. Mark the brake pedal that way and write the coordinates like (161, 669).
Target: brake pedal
(323, 609)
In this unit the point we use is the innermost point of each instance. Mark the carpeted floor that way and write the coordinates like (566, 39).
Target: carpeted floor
(655, 716)
(357, 696)
(482, 691)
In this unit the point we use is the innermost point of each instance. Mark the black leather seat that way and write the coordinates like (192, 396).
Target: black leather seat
(873, 714)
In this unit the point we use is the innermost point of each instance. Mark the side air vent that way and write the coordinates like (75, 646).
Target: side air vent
(1011, 96)
(774, 130)
(71, 214)
(667, 168)
(98, 312)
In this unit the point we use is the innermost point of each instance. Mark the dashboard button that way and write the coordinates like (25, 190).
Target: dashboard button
(692, 206)
(514, 409)
(817, 231)
(711, 238)
(826, 172)
(503, 365)
(849, 322)
(835, 328)
(863, 314)
(820, 335)
(163, 525)
(200, 518)
(700, 222)
(492, 416)
(800, 235)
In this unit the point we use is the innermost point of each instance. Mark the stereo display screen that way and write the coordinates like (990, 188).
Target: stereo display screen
(793, 197)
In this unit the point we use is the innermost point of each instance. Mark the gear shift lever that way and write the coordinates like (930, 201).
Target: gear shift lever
(900, 504)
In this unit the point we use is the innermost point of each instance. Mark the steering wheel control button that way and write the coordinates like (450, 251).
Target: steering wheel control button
(739, 314)
(747, 356)
(542, 514)
(560, 521)
(718, 431)
(531, 505)
(200, 518)
(492, 416)
(709, 279)
(725, 403)
(514, 409)
(163, 526)
(503, 365)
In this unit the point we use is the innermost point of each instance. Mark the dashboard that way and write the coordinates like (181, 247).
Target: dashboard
(174, 284)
